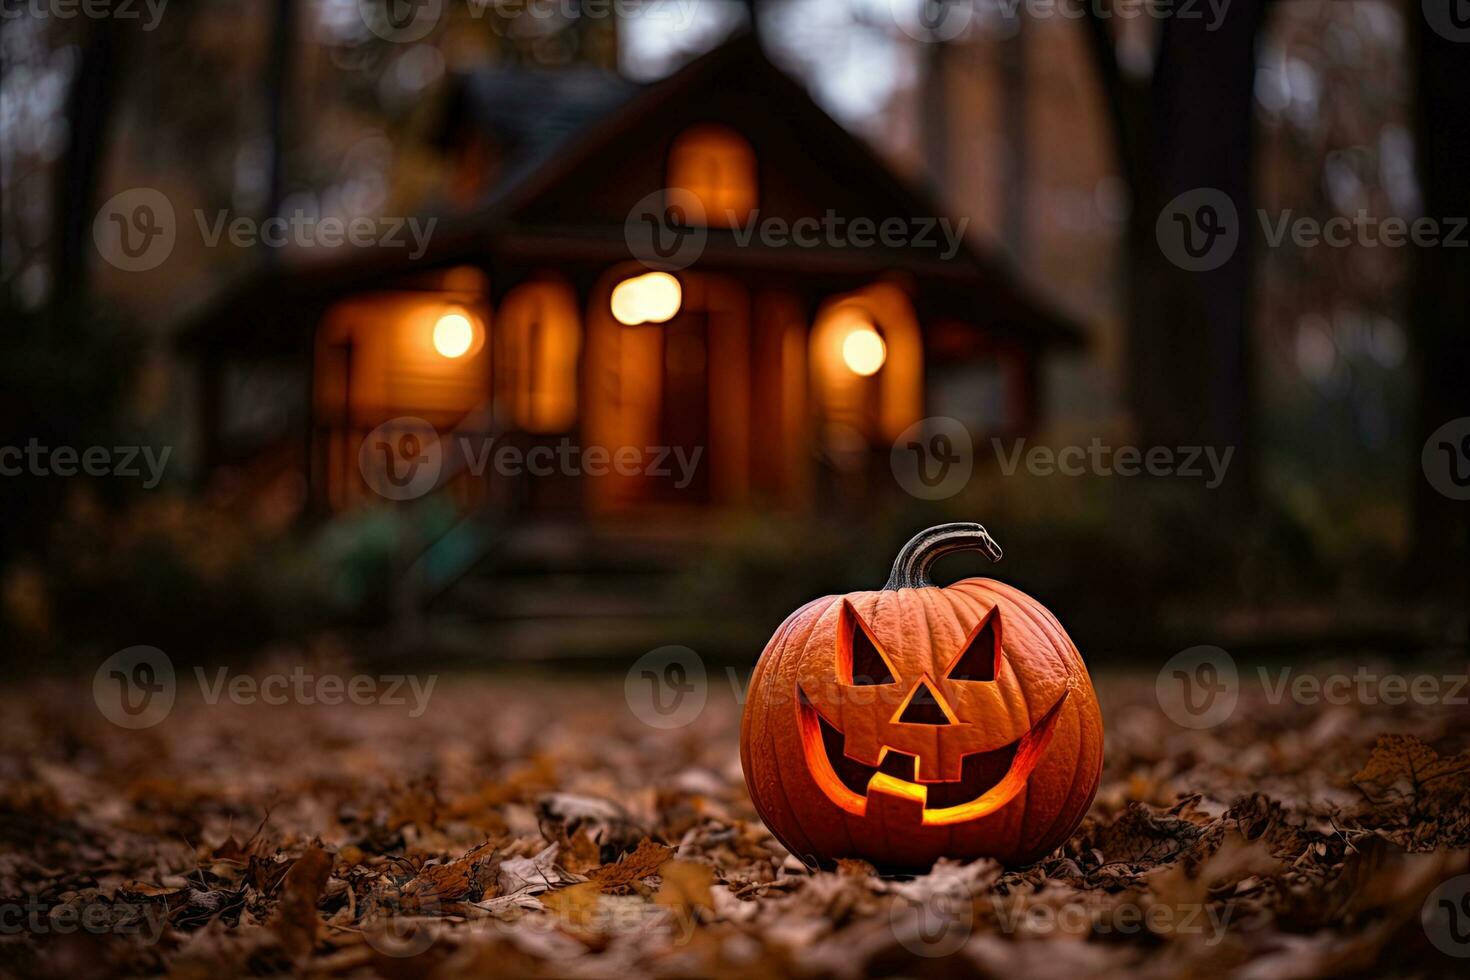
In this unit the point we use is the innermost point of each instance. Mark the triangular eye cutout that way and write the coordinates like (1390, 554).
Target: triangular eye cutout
(980, 658)
(860, 659)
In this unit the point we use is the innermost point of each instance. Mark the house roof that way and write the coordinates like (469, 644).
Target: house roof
(561, 132)
(532, 113)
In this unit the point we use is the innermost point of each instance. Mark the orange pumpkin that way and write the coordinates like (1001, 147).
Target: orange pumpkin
(915, 722)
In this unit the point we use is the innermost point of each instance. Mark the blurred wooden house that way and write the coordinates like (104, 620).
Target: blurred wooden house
(531, 320)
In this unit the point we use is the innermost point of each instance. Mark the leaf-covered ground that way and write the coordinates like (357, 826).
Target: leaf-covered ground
(534, 826)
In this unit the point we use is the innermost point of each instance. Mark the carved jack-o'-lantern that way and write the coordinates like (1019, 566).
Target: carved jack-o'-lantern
(915, 722)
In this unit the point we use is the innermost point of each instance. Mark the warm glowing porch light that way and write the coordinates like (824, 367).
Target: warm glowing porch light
(654, 297)
(454, 335)
(863, 351)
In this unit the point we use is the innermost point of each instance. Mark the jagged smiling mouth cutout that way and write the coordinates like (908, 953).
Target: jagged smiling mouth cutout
(988, 780)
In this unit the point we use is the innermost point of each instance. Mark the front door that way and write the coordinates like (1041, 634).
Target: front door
(685, 410)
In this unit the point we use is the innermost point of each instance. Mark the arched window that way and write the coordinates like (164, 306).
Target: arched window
(716, 165)
(538, 336)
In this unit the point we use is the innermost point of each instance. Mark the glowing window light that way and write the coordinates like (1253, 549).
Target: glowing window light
(863, 351)
(651, 298)
(454, 335)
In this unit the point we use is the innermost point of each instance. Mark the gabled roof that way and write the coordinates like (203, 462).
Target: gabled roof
(531, 113)
(565, 135)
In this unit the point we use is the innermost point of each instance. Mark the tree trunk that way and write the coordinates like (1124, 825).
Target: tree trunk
(1015, 114)
(1440, 304)
(1190, 130)
(934, 121)
(88, 111)
(1190, 349)
(283, 31)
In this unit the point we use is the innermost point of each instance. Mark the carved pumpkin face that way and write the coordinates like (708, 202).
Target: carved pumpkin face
(914, 723)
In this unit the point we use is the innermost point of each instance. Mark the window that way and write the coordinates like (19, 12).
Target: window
(538, 337)
(717, 167)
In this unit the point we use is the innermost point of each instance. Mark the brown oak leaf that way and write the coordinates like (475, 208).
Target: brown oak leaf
(645, 860)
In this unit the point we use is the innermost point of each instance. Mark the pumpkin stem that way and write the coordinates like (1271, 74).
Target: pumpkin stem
(911, 567)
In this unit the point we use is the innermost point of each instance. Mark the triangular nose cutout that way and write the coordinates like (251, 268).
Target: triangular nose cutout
(923, 708)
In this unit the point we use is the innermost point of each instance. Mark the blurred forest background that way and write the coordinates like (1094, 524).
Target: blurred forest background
(1060, 137)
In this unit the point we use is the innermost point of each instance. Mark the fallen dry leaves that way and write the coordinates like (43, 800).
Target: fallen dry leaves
(536, 828)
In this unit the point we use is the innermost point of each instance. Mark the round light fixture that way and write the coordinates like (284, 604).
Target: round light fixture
(654, 297)
(454, 335)
(863, 351)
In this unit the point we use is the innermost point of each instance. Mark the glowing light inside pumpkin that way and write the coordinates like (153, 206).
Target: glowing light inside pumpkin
(454, 335)
(863, 351)
(651, 298)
